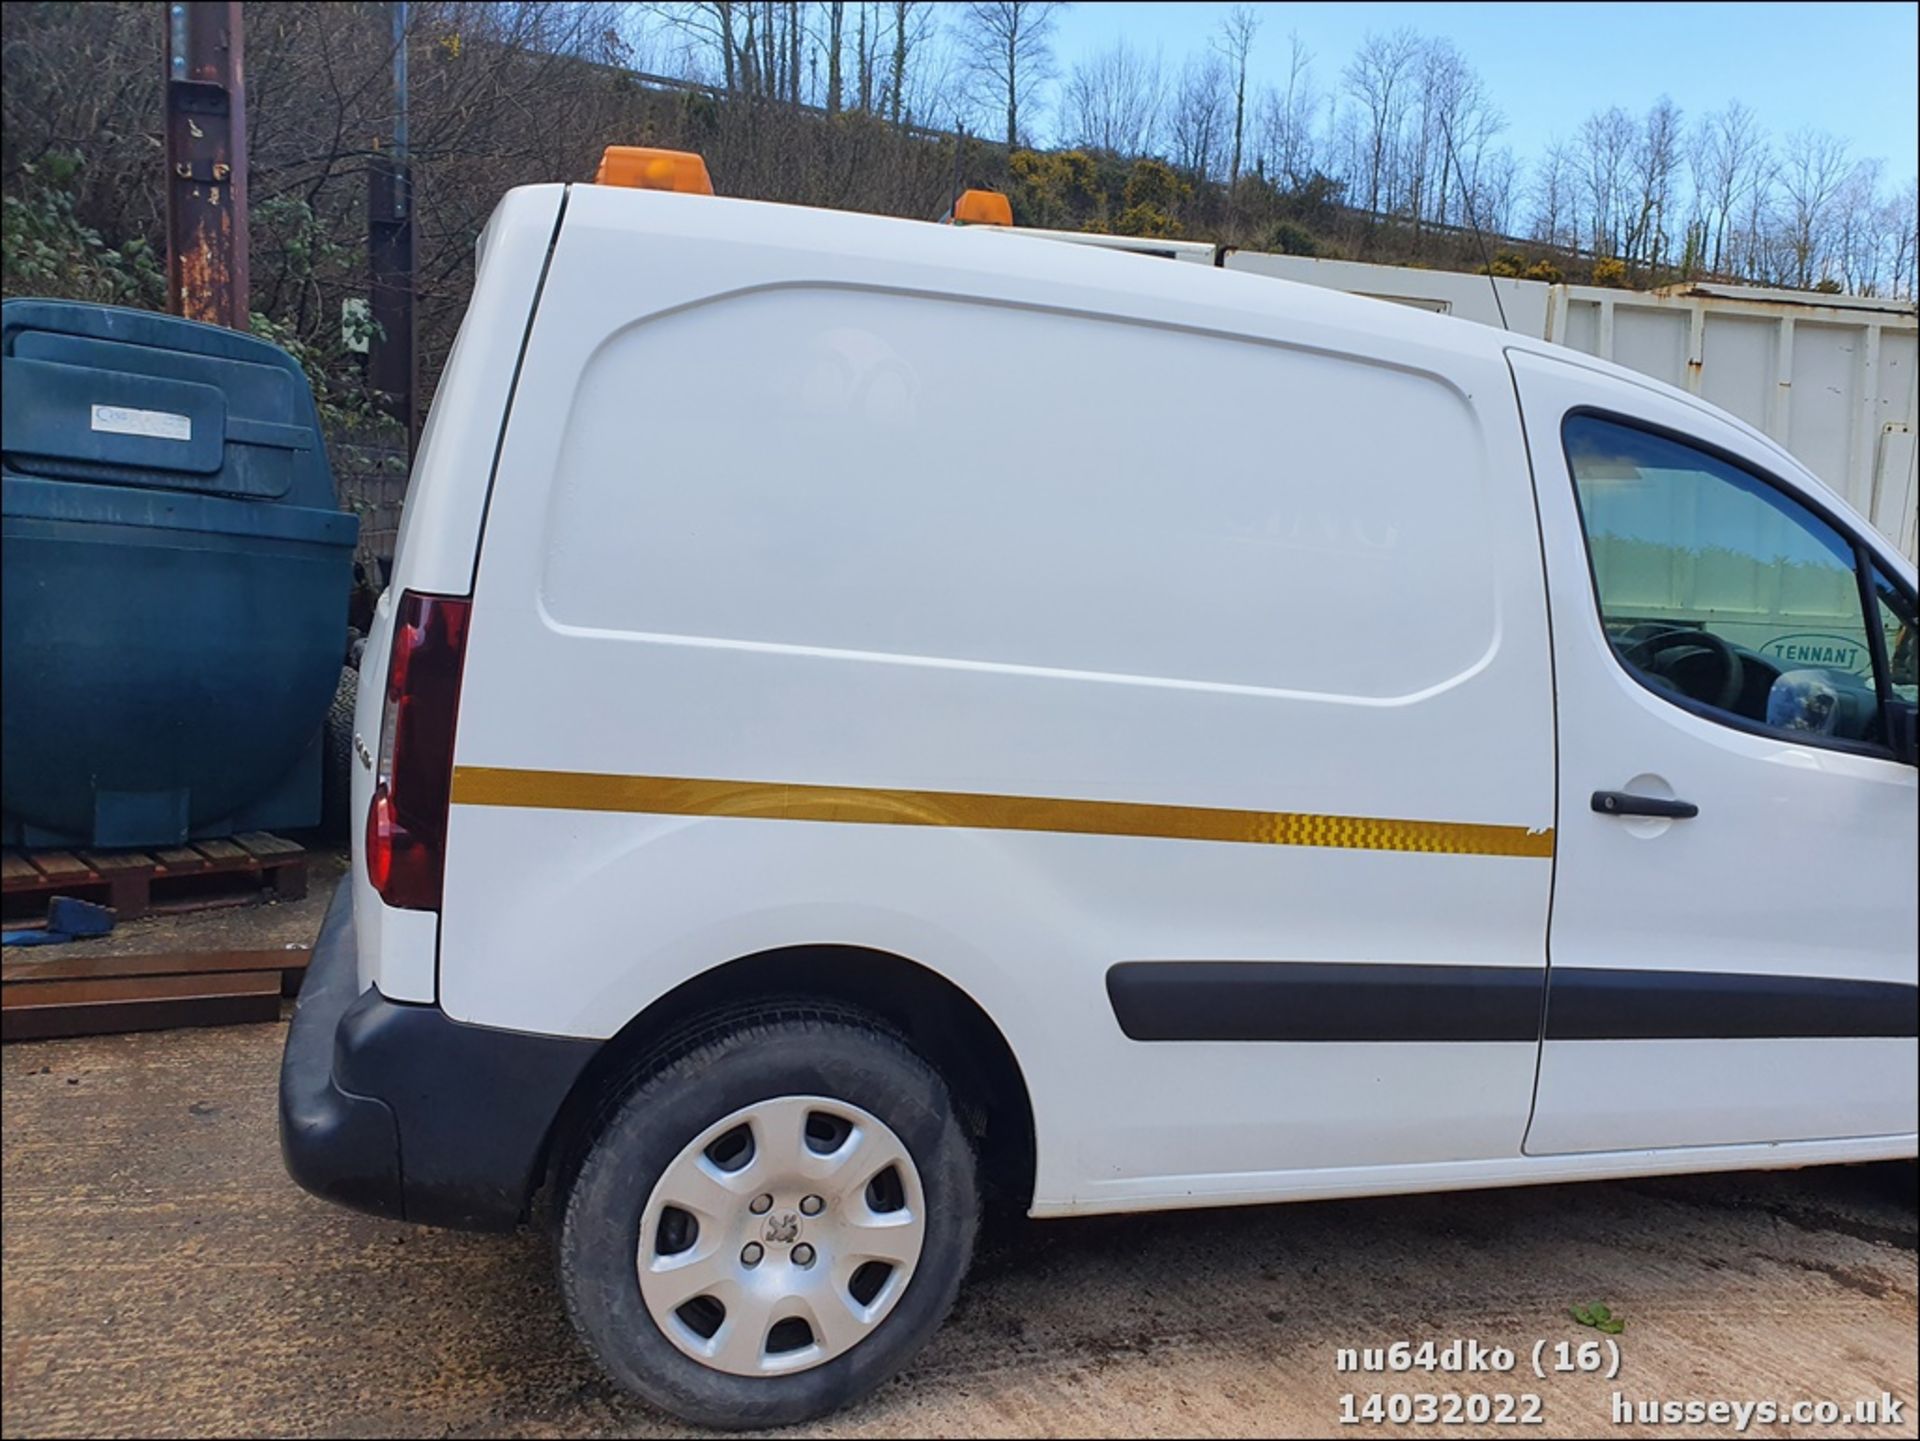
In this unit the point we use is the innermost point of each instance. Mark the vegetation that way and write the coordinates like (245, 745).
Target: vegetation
(889, 106)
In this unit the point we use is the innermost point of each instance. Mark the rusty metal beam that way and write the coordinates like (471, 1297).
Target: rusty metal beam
(206, 163)
(249, 999)
(30, 971)
(93, 995)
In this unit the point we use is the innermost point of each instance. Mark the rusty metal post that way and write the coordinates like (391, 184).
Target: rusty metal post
(206, 163)
(391, 364)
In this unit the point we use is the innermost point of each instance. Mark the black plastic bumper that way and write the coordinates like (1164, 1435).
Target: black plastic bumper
(399, 1110)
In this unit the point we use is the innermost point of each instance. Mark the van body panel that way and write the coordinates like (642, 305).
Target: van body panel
(446, 502)
(1799, 866)
(439, 537)
(1516, 1170)
(902, 514)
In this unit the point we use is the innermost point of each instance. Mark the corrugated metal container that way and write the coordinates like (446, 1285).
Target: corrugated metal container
(1193, 252)
(1444, 292)
(1831, 377)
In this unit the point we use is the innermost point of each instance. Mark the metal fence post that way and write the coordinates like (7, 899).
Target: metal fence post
(206, 163)
(391, 364)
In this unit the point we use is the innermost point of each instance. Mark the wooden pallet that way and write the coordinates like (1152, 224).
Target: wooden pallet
(95, 995)
(180, 878)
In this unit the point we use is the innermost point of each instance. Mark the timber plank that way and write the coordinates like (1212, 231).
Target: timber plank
(59, 865)
(262, 844)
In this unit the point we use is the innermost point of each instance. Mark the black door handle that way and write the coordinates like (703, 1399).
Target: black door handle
(1620, 803)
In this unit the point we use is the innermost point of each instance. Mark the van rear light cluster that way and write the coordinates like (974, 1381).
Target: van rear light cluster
(413, 773)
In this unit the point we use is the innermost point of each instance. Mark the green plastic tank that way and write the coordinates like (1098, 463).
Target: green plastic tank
(175, 575)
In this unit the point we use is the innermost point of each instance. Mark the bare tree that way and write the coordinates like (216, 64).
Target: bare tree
(758, 44)
(1654, 160)
(1751, 245)
(1427, 148)
(1378, 78)
(1494, 192)
(1236, 46)
(836, 43)
(1812, 171)
(1605, 147)
(1113, 101)
(867, 38)
(1858, 255)
(914, 23)
(1900, 219)
(1012, 56)
(1347, 146)
(711, 30)
(796, 47)
(1287, 146)
(1198, 115)
(1455, 124)
(1733, 152)
(1554, 194)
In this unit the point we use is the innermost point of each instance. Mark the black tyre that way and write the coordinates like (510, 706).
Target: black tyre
(336, 760)
(772, 1220)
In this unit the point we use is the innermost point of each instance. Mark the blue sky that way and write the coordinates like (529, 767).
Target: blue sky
(1847, 68)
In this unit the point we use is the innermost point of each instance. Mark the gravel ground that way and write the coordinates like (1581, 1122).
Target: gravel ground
(163, 1277)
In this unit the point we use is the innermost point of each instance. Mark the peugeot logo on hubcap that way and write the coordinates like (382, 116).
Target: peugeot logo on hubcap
(783, 1228)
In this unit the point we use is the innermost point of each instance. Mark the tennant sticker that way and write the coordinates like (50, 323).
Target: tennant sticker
(156, 424)
(1833, 652)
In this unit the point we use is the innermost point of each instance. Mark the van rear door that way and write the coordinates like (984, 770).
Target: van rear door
(439, 541)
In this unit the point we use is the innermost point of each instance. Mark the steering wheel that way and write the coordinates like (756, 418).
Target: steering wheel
(1732, 674)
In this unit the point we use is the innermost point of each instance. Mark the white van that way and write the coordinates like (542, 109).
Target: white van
(869, 716)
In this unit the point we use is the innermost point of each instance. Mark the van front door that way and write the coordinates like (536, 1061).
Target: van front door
(1733, 936)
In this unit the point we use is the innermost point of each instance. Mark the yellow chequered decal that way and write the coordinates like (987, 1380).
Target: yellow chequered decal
(775, 800)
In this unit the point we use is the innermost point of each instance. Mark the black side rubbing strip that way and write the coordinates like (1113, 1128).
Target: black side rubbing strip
(1635, 1005)
(1324, 1001)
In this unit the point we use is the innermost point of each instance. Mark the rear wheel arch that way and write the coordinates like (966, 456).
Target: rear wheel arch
(932, 1015)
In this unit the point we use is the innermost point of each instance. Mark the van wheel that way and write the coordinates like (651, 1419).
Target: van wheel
(772, 1221)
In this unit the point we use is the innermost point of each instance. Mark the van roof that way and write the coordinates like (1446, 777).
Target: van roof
(1090, 278)
(880, 242)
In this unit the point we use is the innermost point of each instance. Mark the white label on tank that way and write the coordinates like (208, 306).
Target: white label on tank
(160, 424)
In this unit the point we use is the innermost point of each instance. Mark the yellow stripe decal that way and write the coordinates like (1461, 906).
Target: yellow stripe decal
(775, 800)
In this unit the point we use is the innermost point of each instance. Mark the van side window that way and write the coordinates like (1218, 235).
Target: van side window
(1722, 592)
(1897, 626)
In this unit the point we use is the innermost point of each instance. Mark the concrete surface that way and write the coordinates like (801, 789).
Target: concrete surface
(163, 1277)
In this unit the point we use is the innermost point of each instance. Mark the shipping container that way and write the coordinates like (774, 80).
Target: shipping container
(1831, 377)
(1193, 252)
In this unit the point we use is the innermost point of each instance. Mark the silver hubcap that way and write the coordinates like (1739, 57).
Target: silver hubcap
(781, 1236)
